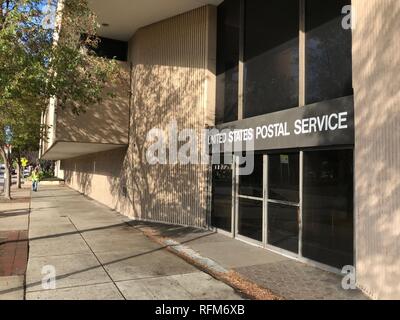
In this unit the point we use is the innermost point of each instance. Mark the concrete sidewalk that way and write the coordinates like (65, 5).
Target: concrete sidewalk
(282, 276)
(95, 254)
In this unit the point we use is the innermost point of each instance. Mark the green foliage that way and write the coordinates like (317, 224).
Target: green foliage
(46, 175)
(38, 63)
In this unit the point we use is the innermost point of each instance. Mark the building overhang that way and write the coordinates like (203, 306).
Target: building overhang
(124, 17)
(62, 150)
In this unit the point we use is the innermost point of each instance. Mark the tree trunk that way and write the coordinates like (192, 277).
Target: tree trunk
(7, 174)
(7, 181)
(19, 168)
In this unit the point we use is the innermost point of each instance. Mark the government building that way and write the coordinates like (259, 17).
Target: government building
(305, 92)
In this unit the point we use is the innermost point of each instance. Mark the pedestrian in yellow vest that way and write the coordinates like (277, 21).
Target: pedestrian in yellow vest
(35, 179)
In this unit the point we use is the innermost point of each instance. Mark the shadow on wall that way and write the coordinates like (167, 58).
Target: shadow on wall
(167, 193)
(82, 173)
(106, 122)
(169, 84)
(376, 46)
(79, 172)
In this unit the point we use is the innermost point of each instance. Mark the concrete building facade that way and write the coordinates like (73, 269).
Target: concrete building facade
(323, 190)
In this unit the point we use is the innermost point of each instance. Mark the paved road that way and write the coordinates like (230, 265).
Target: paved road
(96, 255)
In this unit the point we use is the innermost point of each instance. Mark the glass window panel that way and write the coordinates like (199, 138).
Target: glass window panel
(328, 207)
(110, 49)
(271, 56)
(283, 227)
(252, 185)
(328, 51)
(228, 61)
(221, 216)
(283, 183)
(250, 218)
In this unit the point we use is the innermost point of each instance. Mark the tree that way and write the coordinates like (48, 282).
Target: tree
(26, 137)
(45, 54)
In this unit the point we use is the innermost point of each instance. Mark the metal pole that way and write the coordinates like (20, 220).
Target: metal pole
(9, 180)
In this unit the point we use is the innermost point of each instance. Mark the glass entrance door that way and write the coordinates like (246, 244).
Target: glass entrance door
(250, 201)
(268, 209)
(222, 182)
(283, 209)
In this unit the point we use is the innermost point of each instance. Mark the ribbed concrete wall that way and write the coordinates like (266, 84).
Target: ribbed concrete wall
(173, 80)
(98, 176)
(376, 55)
(105, 122)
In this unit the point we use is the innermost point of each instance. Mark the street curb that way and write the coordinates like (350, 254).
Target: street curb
(247, 288)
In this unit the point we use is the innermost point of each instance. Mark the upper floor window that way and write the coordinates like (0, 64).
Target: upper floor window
(271, 54)
(328, 51)
(265, 35)
(228, 60)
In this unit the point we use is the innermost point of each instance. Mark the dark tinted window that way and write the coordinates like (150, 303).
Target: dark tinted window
(252, 185)
(228, 60)
(283, 183)
(271, 56)
(250, 218)
(221, 216)
(283, 227)
(328, 51)
(328, 207)
(109, 48)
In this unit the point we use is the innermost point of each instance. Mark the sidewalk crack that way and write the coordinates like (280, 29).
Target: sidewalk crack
(98, 260)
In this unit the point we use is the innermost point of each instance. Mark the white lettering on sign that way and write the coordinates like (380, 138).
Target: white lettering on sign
(333, 122)
(241, 135)
(272, 130)
(311, 125)
(219, 138)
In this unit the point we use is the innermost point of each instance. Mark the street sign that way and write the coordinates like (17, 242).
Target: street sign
(8, 135)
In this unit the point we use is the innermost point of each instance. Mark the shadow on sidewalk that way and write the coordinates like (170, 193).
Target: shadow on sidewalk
(130, 224)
